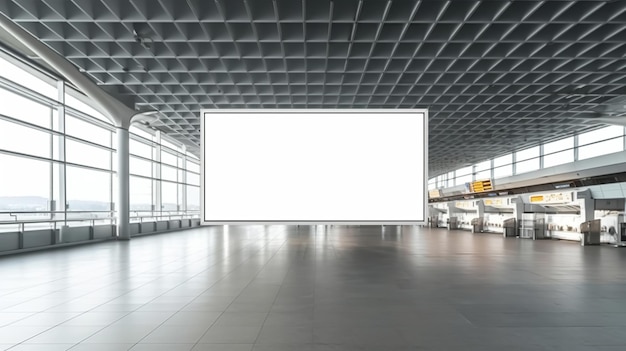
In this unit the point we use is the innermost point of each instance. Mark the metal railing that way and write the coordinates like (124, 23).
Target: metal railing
(141, 216)
(23, 224)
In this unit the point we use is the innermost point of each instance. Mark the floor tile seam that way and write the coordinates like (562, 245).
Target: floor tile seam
(275, 297)
(129, 312)
(138, 287)
(99, 330)
(227, 274)
(34, 336)
(88, 293)
(187, 304)
(247, 285)
(113, 273)
(30, 315)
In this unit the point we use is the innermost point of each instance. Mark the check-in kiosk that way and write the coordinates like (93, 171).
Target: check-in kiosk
(610, 212)
(465, 212)
(590, 233)
(563, 212)
(438, 212)
(496, 212)
(509, 228)
(622, 235)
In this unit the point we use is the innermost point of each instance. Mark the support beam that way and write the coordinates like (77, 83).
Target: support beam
(123, 180)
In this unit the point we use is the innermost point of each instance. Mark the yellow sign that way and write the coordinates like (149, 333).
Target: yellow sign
(536, 198)
(481, 185)
(552, 198)
(464, 204)
(494, 202)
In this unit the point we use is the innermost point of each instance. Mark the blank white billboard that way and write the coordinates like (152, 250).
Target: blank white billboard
(314, 166)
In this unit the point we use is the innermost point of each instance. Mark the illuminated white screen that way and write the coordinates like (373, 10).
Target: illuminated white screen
(340, 166)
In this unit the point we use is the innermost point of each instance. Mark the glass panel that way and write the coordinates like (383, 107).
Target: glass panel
(463, 175)
(168, 173)
(87, 131)
(140, 166)
(169, 144)
(527, 154)
(79, 105)
(27, 140)
(140, 194)
(461, 180)
(559, 145)
(140, 149)
(503, 171)
(193, 179)
(15, 73)
(194, 167)
(558, 158)
(600, 134)
(464, 171)
(527, 166)
(441, 179)
(193, 198)
(24, 184)
(483, 170)
(24, 109)
(168, 158)
(169, 196)
(450, 182)
(88, 190)
(483, 166)
(601, 148)
(181, 191)
(83, 154)
(483, 175)
(503, 160)
(141, 133)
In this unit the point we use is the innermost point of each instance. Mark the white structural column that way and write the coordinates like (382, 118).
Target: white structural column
(123, 180)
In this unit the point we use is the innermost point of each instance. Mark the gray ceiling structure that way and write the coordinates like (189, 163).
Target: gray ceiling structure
(494, 74)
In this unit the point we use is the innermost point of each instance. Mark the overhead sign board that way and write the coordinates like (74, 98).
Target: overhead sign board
(481, 185)
(434, 193)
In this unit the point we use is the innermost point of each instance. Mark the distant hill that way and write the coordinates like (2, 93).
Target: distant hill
(23, 203)
(38, 203)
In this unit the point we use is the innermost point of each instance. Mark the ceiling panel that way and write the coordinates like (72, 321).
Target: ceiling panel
(494, 74)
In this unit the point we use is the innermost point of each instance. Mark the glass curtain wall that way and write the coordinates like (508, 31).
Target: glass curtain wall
(595, 143)
(57, 157)
(164, 178)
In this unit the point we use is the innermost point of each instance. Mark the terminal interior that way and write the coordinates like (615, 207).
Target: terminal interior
(101, 241)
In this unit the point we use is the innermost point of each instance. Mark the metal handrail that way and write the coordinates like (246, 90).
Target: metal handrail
(31, 221)
(48, 212)
(22, 224)
(169, 216)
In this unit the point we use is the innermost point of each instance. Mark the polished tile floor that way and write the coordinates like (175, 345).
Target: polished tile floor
(316, 288)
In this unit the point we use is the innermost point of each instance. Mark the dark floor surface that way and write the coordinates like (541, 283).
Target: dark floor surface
(316, 288)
